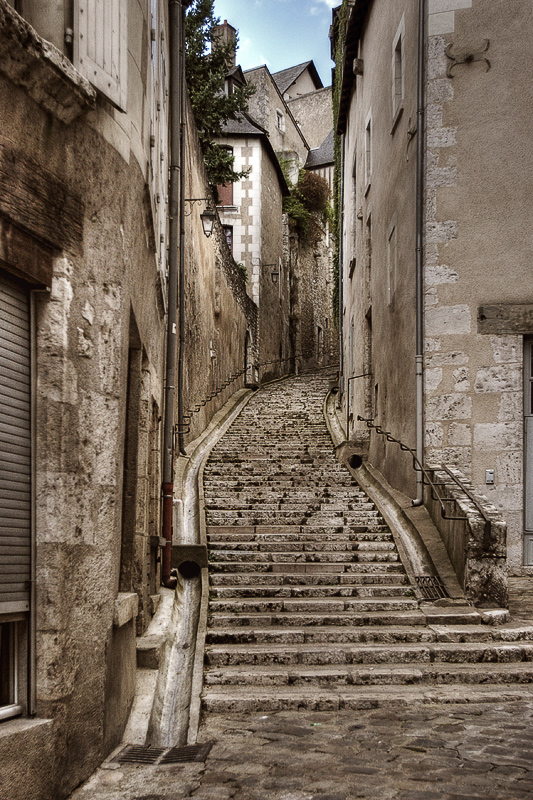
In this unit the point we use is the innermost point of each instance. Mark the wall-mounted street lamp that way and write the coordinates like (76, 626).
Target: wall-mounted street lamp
(207, 216)
(275, 273)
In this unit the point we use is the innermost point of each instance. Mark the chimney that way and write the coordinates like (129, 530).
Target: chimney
(226, 33)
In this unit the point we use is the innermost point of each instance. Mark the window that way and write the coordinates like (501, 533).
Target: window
(280, 121)
(16, 505)
(398, 73)
(225, 192)
(368, 150)
(101, 46)
(228, 233)
(392, 259)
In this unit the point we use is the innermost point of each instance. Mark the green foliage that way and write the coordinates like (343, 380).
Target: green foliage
(206, 65)
(242, 268)
(308, 197)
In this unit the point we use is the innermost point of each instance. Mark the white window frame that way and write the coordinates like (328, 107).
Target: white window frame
(280, 120)
(398, 73)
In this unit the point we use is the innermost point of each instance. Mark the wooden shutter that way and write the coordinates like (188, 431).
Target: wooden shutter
(15, 447)
(101, 46)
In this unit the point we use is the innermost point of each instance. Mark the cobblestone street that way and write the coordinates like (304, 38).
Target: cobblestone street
(451, 752)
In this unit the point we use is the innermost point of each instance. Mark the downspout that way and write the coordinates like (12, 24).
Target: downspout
(181, 350)
(420, 126)
(175, 15)
(341, 270)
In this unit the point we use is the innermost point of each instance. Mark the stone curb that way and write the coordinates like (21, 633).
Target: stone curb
(422, 549)
(146, 690)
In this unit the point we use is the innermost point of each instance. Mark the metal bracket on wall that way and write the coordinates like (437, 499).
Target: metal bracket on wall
(467, 57)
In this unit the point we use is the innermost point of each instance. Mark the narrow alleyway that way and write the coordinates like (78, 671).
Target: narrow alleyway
(325, 677)
(310, 604)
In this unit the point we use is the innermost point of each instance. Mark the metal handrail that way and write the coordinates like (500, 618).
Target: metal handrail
(428, 481)
(187, 416)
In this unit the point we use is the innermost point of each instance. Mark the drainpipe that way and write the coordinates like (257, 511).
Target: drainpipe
(420, 126)
(341, 268)
(176, 76)
(181, 350)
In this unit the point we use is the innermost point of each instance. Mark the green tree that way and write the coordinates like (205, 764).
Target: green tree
(206, 66)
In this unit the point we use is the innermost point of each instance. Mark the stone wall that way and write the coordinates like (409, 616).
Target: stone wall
(475, 252)
(104, 303)
(218, 311)
(263, 107)
(313, 112)
(474, 534)
(274, 279)
(311, 309)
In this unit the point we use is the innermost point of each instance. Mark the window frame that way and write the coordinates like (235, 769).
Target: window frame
(398, 74)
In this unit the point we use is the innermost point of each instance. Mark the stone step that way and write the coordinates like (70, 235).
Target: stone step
(331, 605)
(292, 531)
(303, 579)
(385, 656)
(224, 699)
(344, 549)
(363, 565)
(307, 537)
(400, 673)
(366, 552)
(300, 546)
(235, 591)
(393, 675)
(287, 635)
(317, 621)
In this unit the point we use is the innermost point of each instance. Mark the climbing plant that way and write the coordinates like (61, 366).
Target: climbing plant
(206, 66)
(309, 197)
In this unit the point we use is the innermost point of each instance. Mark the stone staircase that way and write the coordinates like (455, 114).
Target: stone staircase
(310, 606)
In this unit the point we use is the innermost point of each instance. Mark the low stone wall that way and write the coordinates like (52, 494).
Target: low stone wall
(477, 552)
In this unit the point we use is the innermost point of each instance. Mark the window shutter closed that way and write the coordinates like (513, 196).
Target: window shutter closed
(15, 447)
(101, 46)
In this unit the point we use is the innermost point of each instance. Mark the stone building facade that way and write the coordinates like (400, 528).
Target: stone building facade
(84, 161)
(475, 174)
(289, 277)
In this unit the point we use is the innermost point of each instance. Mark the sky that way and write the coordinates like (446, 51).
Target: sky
(281, 33)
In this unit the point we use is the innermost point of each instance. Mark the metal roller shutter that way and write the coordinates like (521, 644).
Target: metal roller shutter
(15, 447)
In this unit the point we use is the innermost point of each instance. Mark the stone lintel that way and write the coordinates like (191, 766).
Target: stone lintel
(25, 256)
(40, 68)
(506, 318)
(126, 608)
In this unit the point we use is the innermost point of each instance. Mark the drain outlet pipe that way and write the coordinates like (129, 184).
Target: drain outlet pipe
(420, 127)
(175, 10)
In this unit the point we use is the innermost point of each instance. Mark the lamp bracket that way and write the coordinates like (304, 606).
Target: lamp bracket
(467, 57)
(192, 201)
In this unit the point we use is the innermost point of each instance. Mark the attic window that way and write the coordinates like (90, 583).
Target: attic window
(280, 121)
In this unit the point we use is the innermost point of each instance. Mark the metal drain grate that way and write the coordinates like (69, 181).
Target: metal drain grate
(191, 752)
(141, 754)
(431, 587)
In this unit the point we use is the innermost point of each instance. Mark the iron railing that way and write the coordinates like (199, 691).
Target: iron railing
(231, 379)
(427, 480)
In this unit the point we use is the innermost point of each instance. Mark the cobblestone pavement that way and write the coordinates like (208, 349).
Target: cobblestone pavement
(452, 752)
